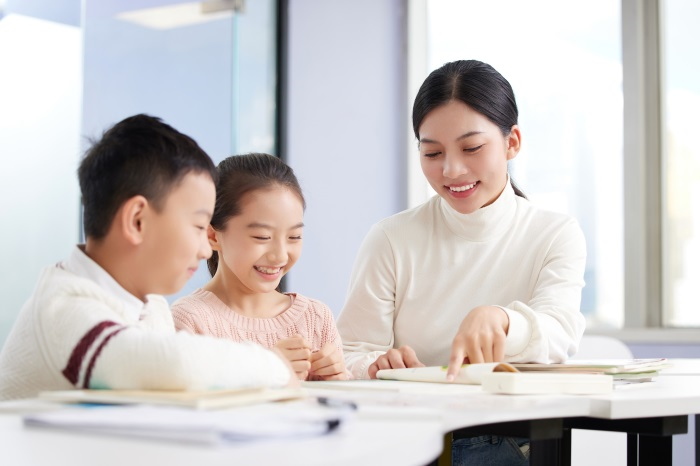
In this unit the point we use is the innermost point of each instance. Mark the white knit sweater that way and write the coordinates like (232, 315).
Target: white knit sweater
(418, 273)
(75, 333)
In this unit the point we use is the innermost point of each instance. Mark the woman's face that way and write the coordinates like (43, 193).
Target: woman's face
(464, 156)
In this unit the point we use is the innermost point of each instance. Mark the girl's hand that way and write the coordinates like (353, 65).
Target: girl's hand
(328, 364)
(480, 338)
(297, 351)
(395, 359)
(293, 380)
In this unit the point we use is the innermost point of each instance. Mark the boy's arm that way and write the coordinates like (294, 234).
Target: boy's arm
(98, 349)
(135, 359)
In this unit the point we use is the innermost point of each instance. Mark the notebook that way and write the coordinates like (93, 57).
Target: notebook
(242, 424)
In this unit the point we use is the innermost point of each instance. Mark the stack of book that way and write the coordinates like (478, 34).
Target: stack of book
(639, 370)
(576, 377)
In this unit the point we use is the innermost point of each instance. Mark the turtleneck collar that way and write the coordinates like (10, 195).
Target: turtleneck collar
(486, 223)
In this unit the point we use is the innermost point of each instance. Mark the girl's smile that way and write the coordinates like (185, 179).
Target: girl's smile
(269, 273)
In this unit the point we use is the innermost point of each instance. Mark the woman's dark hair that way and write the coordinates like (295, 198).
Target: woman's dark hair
(477, 85)
(241, 174)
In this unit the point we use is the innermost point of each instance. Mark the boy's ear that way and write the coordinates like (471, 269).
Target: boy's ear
(131, 219)
(213, 236)
(513, 141)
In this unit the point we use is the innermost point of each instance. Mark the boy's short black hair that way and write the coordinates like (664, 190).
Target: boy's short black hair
(140, 155)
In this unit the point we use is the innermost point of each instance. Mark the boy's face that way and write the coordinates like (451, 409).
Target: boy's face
(175, 239)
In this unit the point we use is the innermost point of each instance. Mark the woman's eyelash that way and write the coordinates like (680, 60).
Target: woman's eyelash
(473, 149)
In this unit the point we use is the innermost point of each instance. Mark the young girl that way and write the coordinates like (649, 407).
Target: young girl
(256, 236)
(475, 274)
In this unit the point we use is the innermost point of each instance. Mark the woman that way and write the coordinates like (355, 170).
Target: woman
(477, 273)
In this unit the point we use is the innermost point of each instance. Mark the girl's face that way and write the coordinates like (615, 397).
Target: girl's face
(464, 156)
(263, 242)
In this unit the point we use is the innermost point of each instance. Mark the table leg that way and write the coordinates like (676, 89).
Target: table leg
(655, 450)
(632, 447)
(697, 439)
(649, 440)
(565, 452)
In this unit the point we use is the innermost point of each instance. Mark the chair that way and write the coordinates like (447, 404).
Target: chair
(610, 447)
(602, 347)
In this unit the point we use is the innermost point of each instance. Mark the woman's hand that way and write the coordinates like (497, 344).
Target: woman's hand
(297, 351)
(481, 337)
(395, 359)
(328, 364)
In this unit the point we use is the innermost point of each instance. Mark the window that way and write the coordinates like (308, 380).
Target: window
(608, 95)
(681, 177)
(566, 70)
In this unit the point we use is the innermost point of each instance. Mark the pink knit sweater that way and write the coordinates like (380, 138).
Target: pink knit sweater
(202, 312)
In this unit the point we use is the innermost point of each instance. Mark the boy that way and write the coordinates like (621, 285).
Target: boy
(97, 320)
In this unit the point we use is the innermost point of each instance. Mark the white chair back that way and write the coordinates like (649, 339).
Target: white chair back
(602, 347)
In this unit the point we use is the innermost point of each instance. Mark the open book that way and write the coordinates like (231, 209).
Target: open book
(204, 399)
(505, 378)
(472, 374)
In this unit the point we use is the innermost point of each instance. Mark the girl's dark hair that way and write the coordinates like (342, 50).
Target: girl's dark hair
(241, 174)
(477, 85)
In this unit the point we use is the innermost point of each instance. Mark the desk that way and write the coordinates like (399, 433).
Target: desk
(399, 423)
(470, 411)
(397, 439)
(650, 413)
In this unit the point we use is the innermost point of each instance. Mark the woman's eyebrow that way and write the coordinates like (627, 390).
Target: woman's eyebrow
(464, 136)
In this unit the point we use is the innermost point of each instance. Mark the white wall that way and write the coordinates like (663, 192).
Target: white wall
(39, 150)
(346, 116)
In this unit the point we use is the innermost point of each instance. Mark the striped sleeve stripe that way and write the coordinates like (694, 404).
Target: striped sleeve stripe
(93, 359)
(72, 370)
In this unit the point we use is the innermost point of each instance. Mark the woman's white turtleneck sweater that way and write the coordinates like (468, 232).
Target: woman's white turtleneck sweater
(418, 274)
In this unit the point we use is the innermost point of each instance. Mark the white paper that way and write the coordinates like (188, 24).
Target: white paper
(182, 424)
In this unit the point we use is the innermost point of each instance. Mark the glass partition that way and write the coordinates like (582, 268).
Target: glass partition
(206, 68)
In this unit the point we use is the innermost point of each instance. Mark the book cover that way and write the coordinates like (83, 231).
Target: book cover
(204, 399)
